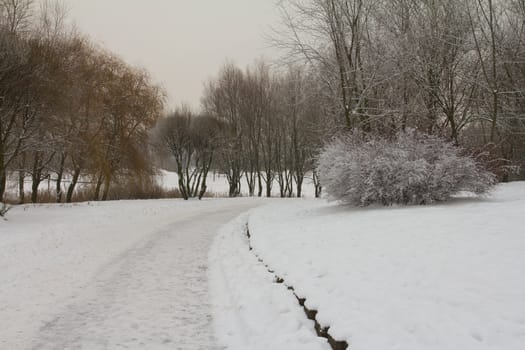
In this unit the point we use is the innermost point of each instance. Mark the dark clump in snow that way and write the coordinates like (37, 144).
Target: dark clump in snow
(409, 168)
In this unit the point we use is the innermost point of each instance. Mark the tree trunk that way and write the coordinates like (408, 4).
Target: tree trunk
(21, 179)
(233, 188)
(21, 189)
(268, 186)
(203, 188)
(289, 185)
(235, 184)
(250, 180)
(107, 183)
(72, 185)
(34, 187)
(96, 195)
(3, 175)
(60, 175)
(34, 190)
(282, 185)
(36, 178)
(317, 184)
(182, 185)
(259, 183)
(299, 183)
(3, 181)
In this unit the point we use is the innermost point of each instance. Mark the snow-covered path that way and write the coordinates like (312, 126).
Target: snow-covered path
(150, 294)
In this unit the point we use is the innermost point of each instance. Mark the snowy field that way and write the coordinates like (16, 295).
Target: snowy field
(443, 277)
(170, 274)
(129, 274)
(251, 311)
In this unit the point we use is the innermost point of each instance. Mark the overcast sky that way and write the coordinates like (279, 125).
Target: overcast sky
(181, 42)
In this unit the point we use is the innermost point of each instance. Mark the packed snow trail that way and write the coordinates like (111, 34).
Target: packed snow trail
(153, 294)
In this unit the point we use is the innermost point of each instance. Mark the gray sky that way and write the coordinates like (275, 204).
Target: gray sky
(182, 43)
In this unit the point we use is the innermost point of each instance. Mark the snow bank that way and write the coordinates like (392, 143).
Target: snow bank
(251, 311)
(436, 277)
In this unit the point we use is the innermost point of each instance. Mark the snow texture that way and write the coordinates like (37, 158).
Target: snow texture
(251, 311)
(137, 274)
(439, 277)
(129, 274)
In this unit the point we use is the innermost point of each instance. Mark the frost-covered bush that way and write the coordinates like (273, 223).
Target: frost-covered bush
(410, 168)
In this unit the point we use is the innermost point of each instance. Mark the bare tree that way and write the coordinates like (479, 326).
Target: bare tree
(222, 100)
(15, 15)
(17, 112)
(191, 141)
(334, 35)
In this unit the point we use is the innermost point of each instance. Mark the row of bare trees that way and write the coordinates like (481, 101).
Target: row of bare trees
(450, 67)
(191, 141)
(260, 127)
(453, 68)
(273, 128)
(68, 109)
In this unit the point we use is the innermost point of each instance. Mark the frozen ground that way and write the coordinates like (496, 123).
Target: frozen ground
(109, 275)
(440, 277)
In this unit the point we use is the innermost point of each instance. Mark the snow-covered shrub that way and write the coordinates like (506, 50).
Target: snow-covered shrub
(410, 168)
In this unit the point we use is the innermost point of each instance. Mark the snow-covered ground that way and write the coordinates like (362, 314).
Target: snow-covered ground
(129, 274)
(251, 311)
(145, 274)
(443, 277)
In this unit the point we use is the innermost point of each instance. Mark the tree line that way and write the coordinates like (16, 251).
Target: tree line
(259, 127)
(453, 69)
(69, 108)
